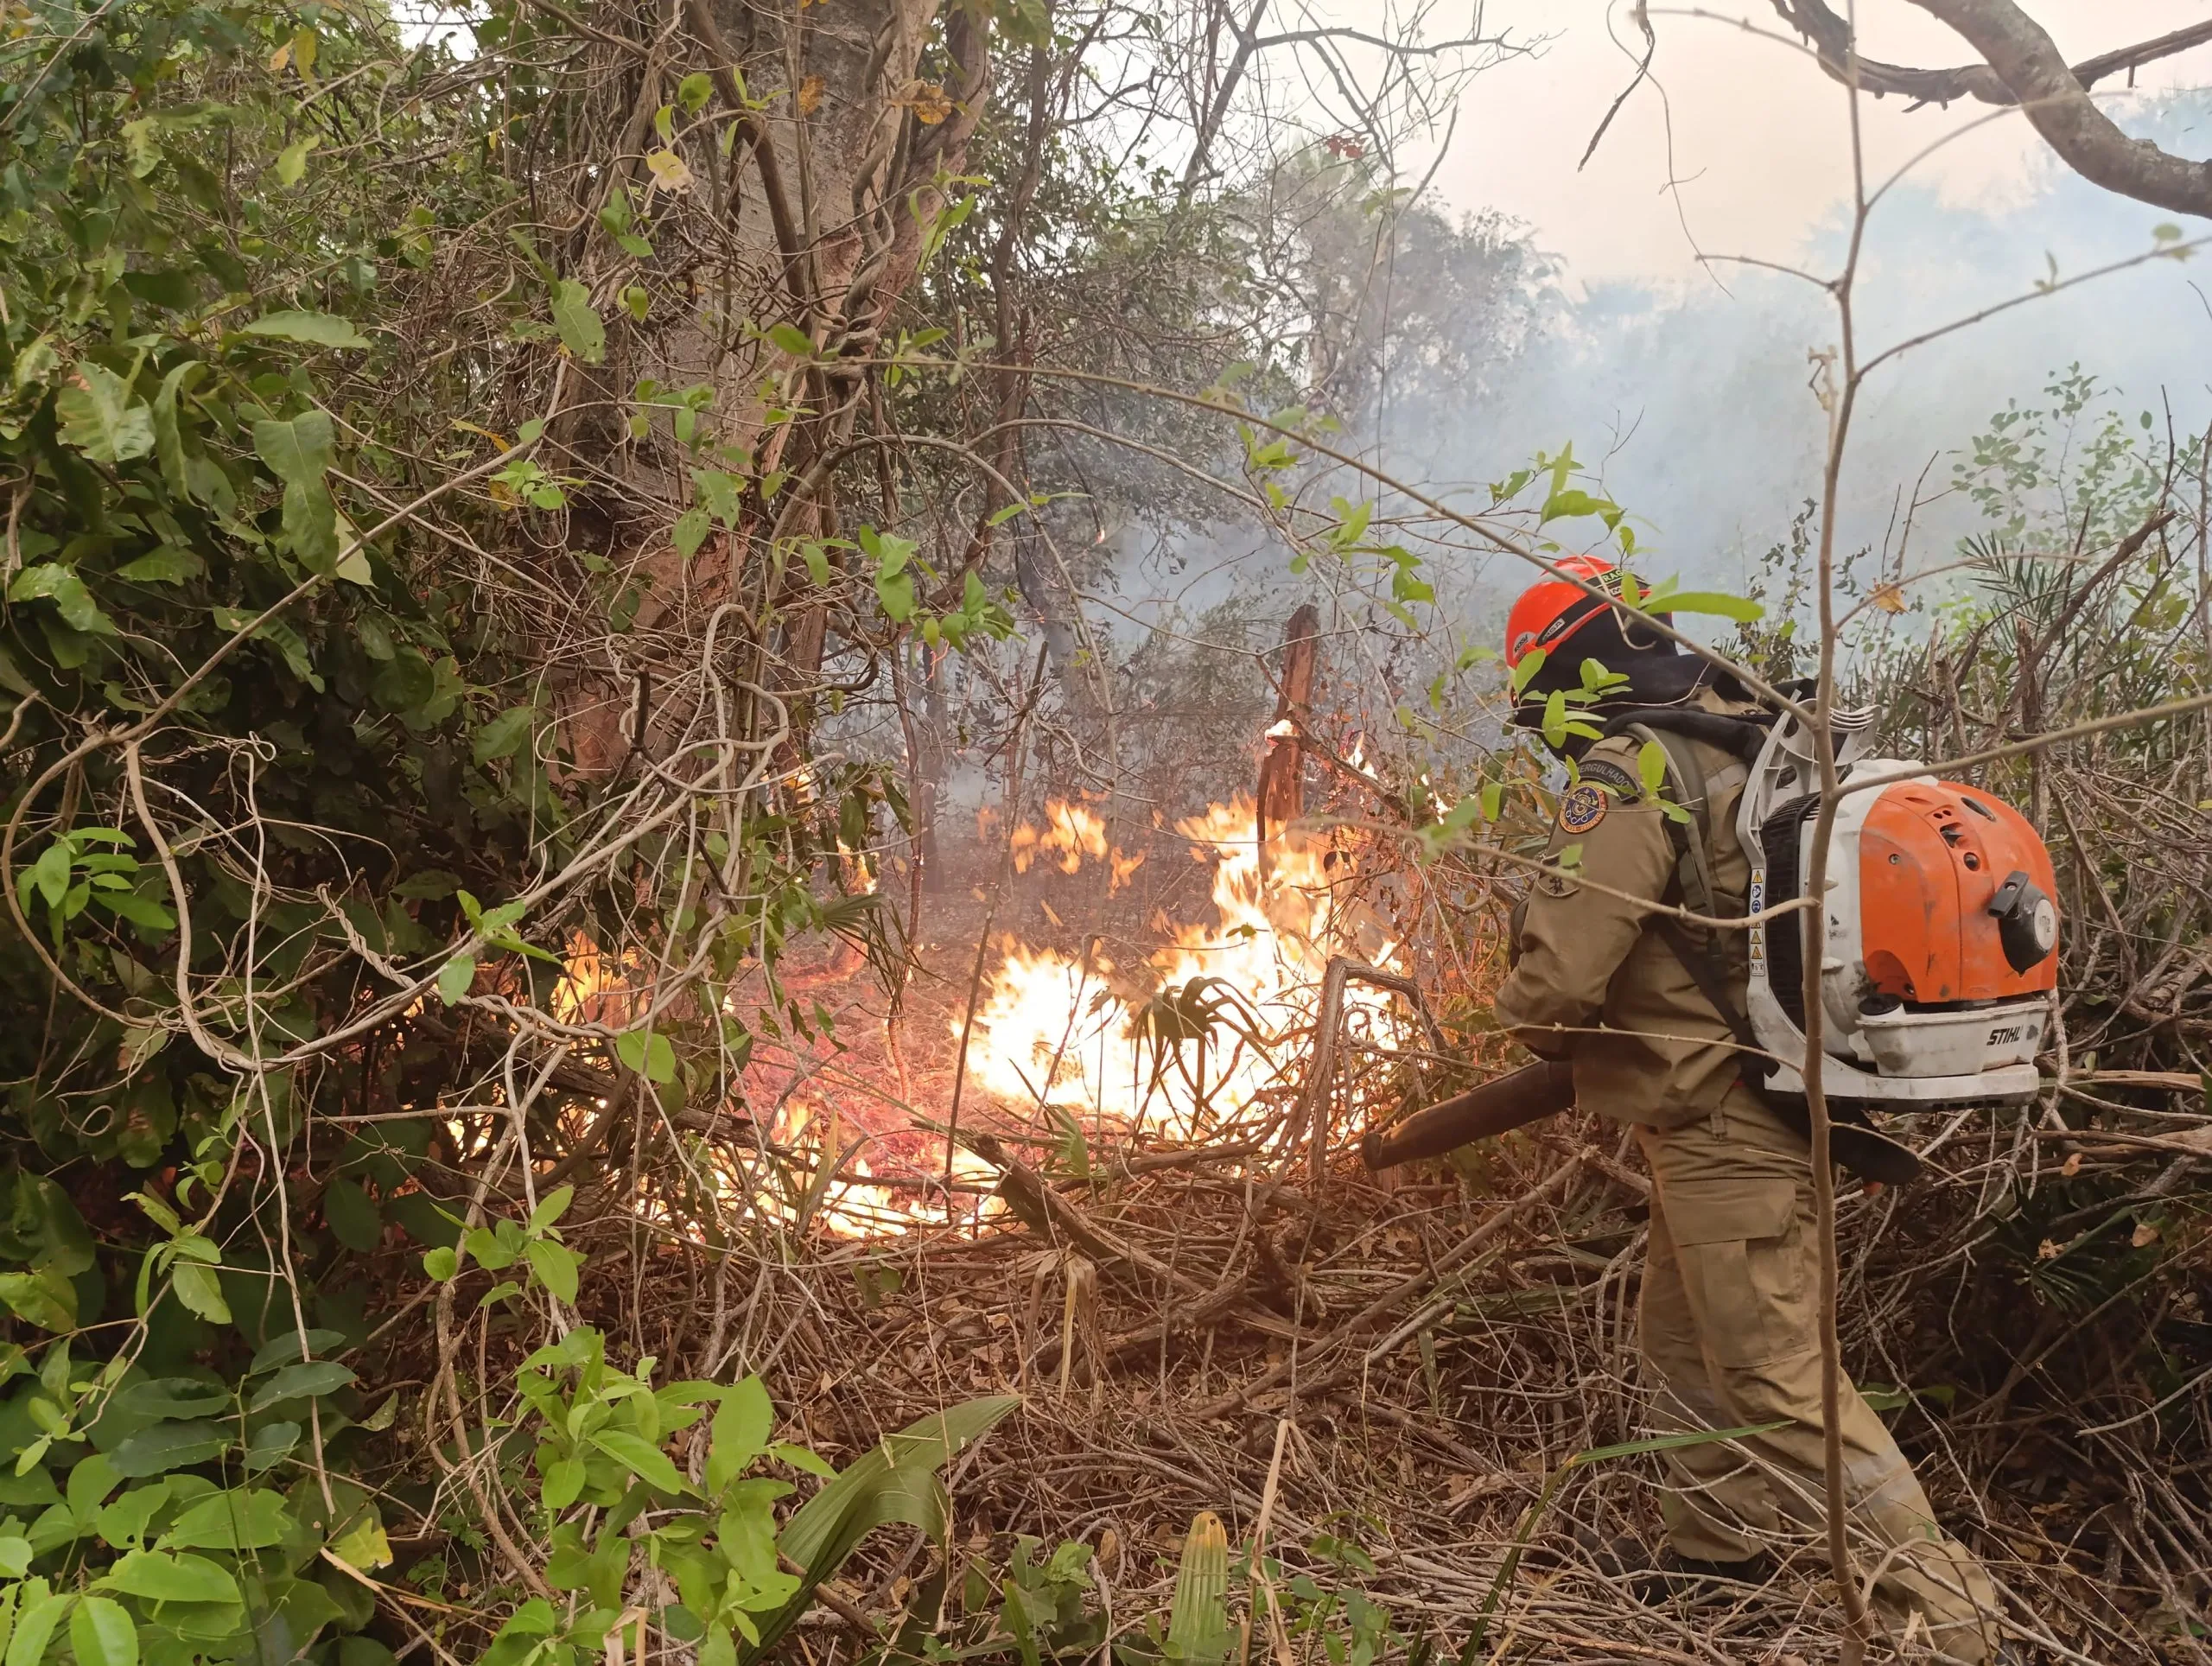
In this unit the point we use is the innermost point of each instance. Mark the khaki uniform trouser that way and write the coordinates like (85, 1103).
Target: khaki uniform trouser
(1730, 1332)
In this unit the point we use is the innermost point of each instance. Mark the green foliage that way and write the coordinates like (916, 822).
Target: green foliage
(615, 1504)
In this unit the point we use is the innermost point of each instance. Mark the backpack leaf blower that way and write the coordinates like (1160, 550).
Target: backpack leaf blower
(1939, 930)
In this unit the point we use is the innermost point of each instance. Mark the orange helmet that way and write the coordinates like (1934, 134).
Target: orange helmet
(1551, 610)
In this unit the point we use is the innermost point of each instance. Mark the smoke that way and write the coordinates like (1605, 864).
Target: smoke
(1698, 410)
(1469, 350)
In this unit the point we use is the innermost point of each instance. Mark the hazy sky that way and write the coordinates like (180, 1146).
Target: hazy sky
(1760, 139)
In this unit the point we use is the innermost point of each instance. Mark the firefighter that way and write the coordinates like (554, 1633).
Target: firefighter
(1728, 1320)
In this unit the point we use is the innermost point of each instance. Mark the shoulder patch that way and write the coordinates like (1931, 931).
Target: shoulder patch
(1554, 883)
(1582, 807)
(1607, 774)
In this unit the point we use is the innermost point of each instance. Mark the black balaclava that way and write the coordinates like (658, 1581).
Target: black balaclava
(1659, 672)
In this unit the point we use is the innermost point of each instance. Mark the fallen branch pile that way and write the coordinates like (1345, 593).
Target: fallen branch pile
(1436, 1350)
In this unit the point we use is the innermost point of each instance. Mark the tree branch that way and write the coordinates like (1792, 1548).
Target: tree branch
(2024, 67)
(2057, 103)
(1829, 36)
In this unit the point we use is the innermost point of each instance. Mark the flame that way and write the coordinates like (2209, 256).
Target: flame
(858, 869)
(1070, 833)
(594, 986)
(1194, 1033)
(1071, 830)
(867, 1200)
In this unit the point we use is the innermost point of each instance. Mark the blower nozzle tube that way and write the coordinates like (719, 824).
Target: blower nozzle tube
(1511, 1101)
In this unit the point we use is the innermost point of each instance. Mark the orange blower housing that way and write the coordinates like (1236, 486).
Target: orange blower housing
(1931, 861)
(1939, 929)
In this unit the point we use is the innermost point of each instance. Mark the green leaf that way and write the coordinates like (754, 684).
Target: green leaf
(197, 1288)
(291, 164)
(1651, 764)
(648, 1053)
(355, 1221)
(27, 1646)
(894, 1481)
(500, 737)
(556, 1266)
(455, 977)
(279, 635)
(1739, 608)
(102, 418)
(298, 452)
(563, 1483)
(66, 591)
(690, 531)
(742, 1424)
(800, 1457)
(1531, 663)
(441, 1262)
(166, 565)
(895, 592)
(142, 911)
(16, 1554)
(1573, 503)
(720, 494)
(163, 1397)
(792, 340)
(693, 91)
(308, 1381)
(168, 435)
(551, 1207)
(272, 1443)
(289, 1347)
(171, 1578)
(642, 1459)
(492, 1251)
(1197, 1618)
(44, 1297)
(313, 328)
(48, 875)
(582, 333)
(363, 1543)
(170, 1446)
(249, 1519)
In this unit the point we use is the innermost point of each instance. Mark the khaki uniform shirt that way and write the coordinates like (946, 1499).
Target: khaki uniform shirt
(1591, 984)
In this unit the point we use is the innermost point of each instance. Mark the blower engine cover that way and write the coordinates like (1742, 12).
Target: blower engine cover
(1941, 932)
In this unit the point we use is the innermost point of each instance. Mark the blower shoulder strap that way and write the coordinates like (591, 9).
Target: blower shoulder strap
(1692, 792)
(1701, 954)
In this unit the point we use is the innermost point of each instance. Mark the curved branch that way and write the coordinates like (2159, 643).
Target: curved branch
(1829, 36)
(2057, 102)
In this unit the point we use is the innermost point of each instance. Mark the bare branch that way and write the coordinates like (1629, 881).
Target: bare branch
(1992, 82)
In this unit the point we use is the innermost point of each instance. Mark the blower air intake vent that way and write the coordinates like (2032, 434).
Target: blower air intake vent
(1780, 836)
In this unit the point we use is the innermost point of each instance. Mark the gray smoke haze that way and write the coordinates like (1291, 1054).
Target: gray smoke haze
(1695, 410)
(1698, 408)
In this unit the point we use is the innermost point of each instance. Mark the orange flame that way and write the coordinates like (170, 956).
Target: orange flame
(1196, 1028)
